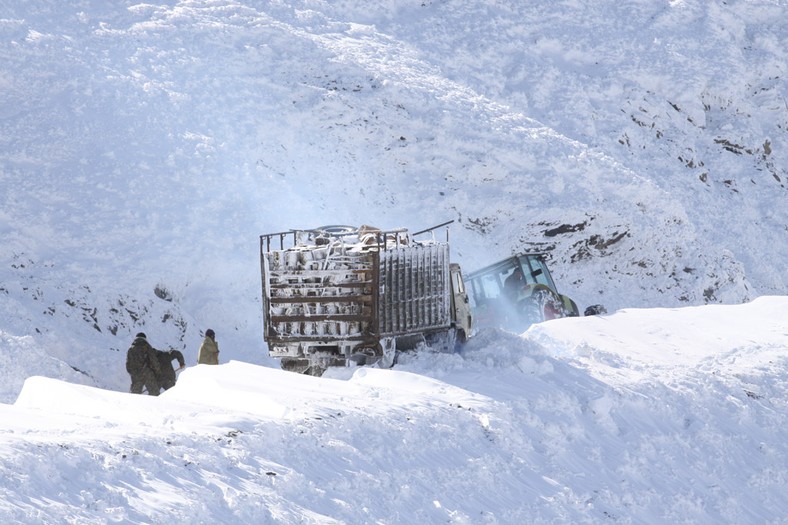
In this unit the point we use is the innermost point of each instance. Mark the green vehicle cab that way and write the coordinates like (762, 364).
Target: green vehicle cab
(516, 292)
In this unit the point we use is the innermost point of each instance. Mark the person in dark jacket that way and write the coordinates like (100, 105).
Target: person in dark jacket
(167, 375)
(143, 366)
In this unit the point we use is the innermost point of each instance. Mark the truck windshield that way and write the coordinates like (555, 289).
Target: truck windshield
(536, 270)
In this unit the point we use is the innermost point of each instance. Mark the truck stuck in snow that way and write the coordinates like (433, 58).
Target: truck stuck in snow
(337, 295)
(518, 291)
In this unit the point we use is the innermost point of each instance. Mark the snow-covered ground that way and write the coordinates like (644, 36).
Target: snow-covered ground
(646, 416)
(642, 145)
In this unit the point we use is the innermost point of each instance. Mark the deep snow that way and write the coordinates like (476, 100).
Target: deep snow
(643, 416)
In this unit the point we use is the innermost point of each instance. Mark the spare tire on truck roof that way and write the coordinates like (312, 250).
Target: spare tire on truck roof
(337, 229)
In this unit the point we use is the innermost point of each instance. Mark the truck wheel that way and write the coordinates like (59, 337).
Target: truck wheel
(542, 305)
(530, 311)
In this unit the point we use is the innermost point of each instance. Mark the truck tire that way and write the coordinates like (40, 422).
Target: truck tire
(541, 305)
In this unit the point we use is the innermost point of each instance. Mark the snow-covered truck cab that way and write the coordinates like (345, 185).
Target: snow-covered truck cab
(516, 292)
(340, 294)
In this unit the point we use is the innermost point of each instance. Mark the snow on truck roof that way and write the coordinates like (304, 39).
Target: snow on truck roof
(352, 238)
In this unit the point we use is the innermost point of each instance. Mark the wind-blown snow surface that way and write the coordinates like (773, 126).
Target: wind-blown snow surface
(643, 417)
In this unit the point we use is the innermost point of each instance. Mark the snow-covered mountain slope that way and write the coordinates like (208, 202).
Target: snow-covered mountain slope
(144, 147)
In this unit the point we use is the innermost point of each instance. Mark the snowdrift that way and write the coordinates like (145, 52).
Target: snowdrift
(643, 416)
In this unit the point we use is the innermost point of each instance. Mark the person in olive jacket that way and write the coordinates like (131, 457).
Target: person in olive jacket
(167, 376)
(209, 349)
(143, 366)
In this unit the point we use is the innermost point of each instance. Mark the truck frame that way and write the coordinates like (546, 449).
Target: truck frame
(341, 295)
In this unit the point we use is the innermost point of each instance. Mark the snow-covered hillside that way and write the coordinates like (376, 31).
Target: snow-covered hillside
(144, 147)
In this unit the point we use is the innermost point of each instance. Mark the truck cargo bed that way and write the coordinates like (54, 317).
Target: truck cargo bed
(333, 296)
